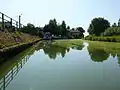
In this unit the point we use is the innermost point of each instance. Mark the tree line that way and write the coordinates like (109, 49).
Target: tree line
(54, 28)
(101, 27)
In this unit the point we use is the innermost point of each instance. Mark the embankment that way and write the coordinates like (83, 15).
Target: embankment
(14, 42)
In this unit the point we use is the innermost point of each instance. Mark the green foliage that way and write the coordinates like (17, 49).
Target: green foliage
(114, 25)
(68, 27)
(51, 27)
(100, 51)
(56, 29)
(112, 31)
(31, 29)
(80, 29)
(61, 29)
(103, 38)
(119, 22)
(97, 26)
(68, 43)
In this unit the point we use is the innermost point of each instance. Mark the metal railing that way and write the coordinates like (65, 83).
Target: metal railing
(8, 22)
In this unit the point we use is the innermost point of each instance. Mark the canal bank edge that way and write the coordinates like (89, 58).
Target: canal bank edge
(12, 50)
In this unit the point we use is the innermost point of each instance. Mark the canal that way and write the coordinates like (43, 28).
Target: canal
(52, 66)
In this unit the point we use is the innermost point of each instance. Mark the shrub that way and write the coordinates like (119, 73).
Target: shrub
(103, 38)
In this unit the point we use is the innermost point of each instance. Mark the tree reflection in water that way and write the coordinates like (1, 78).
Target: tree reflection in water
(53, 50)
(97, 55)
(101, 52)
(118, 57)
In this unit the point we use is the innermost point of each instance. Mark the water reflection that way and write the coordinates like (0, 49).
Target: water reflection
(10, 68)
(100, 52)
(77, 47)
(118, 57)
(55, 50)
(97, 55)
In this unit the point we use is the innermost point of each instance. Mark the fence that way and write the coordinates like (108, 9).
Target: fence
(8, 22)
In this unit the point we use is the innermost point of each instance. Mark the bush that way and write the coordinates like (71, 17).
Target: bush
(111, 31)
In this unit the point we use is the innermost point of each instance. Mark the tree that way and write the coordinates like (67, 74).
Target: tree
(51, 27)
(56, 29)
(73, 29)
(111, 31)
(114, 25)
(63, 27)
(80, 29)
(29, 25)
(30, 29)
(68, 27)
(98, 25)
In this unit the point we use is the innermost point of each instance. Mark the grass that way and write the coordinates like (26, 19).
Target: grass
(8, 39)
(68, 43)
(109, 47)
(103, 38)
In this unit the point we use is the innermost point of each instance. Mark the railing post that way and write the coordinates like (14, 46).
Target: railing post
(19, 22)
(11, 22)
(17, 25)
(3, 23)
(12, 74)
(4, 83)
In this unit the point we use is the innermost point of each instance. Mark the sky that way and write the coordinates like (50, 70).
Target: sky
(76, 13)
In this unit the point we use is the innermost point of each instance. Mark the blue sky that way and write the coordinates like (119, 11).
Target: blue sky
(74, 12)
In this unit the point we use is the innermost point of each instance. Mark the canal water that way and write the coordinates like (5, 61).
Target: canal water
(50, 67)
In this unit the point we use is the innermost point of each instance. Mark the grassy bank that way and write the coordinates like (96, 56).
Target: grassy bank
(68, 43)
(14, 38)
(15, 41)
(107, 46)
(103, 38)
(100, 51)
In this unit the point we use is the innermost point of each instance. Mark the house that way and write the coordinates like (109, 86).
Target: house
(74, 33)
